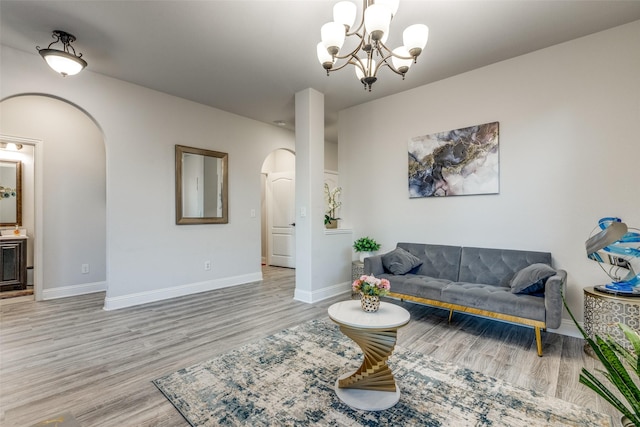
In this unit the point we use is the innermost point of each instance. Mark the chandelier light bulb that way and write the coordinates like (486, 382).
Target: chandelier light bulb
(392, 5)
(332, 34)
(325, 58)
(344, 13)
(401, 64)
(377, 19)
(415, 38)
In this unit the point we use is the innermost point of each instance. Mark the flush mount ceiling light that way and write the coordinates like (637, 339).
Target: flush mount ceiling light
(65, 61)
(373, 31)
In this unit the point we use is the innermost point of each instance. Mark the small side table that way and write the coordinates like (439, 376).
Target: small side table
(372, 386)
(357, 270)
(603, 311)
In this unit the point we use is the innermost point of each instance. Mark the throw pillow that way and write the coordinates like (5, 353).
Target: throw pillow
(531, 279)
(399, 261)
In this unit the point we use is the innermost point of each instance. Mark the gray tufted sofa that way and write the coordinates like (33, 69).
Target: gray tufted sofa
(476, 281)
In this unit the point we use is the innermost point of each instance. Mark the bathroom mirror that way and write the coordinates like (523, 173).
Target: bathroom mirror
(10, 193)
(201, 186)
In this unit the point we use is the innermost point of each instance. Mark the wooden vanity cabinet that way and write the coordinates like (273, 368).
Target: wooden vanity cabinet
(13, 264)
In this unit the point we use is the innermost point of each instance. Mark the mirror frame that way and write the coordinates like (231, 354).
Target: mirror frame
(18, 195)
(180, 219)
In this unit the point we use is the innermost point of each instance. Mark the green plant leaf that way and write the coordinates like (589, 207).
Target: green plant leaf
(634, 339)
(588, 379)
(607, 352)
(366, 244)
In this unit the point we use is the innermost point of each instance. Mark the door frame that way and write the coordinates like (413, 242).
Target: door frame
(269, 216)
(38, 248)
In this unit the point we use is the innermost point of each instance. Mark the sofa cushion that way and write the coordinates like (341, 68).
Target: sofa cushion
(497, 299)
(440, 261)
(531, 279)
(419, 286)
(496, 266)
(399, 261)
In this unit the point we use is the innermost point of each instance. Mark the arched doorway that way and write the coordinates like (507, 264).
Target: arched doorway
(67, 232)
(278, 209)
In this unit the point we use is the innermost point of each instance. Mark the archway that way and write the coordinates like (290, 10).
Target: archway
(68, 229)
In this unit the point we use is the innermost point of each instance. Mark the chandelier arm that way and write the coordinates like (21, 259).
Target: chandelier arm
(358, 48)
(391, 53)
(385, 61)
(57, 39)
(341, 67)
(356, 32)
(391, 67)
(357, 63)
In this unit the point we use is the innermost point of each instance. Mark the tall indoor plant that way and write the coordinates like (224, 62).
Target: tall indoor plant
(615, 358)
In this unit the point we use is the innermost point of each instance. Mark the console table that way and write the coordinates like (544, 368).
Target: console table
(603, 311)
(372, 386)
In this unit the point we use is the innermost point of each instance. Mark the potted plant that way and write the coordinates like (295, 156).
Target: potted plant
(330, 219)
(615, 358)
(365, 245)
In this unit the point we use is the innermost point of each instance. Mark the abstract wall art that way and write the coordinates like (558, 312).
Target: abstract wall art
(455, 163)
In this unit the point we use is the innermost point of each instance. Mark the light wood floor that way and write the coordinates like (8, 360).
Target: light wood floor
(71, 355)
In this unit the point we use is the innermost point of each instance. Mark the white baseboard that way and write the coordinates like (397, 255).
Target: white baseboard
(123, 301)
(568, 328)
(74, 290)
(322, 294)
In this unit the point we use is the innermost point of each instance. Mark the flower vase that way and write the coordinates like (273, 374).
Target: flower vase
(332, 224)
(370, 303)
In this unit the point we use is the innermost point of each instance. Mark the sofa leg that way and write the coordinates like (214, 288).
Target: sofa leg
(450, 314)
(538, 340)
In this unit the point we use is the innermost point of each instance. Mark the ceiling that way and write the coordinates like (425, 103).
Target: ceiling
(251, 57)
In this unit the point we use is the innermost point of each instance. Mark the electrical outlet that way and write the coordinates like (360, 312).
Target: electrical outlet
(85, 269)
(207, 265)
(253, 213)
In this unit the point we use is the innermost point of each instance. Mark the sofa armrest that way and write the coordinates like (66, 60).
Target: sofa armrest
(373, 265)
(553, 291)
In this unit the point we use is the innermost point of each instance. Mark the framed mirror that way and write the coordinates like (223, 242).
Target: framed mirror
(10, 193)
(201, 186)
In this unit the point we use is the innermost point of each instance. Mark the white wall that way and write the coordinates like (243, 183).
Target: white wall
(149, 257)
(330, 156)
(569, 153)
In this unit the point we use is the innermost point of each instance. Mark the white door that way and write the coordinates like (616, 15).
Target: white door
(281, 219)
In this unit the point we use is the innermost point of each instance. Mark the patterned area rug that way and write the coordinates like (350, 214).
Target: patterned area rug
(288, 379)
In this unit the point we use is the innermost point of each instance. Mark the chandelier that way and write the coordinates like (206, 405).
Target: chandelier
(371, 52)
(63, 61)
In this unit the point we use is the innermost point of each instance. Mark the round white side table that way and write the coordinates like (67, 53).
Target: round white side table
(372, 386)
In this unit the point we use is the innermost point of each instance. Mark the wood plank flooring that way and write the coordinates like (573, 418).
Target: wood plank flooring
(69, 355)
